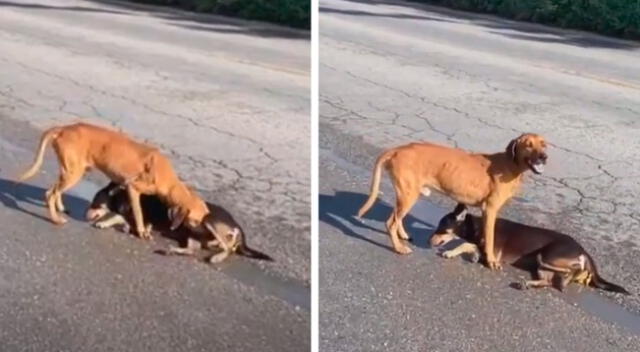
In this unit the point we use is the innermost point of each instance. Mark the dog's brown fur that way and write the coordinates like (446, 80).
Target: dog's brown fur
(484, 180)
(80, 147)
(556, 259)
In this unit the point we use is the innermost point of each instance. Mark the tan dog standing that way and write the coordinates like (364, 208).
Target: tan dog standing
(81, 147)
(484, 180)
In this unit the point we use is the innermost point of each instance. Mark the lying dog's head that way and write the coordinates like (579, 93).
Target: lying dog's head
(529, 150)
(101, 204)
(458, 223)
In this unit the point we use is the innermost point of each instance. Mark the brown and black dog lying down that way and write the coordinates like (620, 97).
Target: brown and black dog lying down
(110, 207)
(81, 147)
(554, 258)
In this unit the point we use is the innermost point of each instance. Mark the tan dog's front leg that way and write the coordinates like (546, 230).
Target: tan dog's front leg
(134, 198)
(490, 215)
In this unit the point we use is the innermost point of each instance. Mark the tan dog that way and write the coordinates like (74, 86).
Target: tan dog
(82, 146)
(484, 180)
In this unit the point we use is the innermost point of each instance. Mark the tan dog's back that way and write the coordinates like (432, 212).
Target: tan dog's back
(461, 175)
(112, 152)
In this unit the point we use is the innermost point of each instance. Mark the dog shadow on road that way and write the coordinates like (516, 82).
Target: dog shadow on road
(340, 211)
(13, 194)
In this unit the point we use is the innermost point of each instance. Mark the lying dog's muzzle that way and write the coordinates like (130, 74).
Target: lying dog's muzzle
(94, 214)
(438, 239)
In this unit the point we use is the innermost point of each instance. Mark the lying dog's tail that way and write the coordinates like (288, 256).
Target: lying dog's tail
(46, 138)
(375, 181)
(245, 251)
(598, 282)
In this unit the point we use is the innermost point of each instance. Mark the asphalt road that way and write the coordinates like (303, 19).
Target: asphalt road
(393, 72)
(228, 102)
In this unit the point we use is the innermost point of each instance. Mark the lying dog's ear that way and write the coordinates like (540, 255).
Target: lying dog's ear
(460, 212)
(177, 216)
(114, 188)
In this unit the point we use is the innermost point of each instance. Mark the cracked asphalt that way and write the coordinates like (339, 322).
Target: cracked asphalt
(393, 72)
(228, 101)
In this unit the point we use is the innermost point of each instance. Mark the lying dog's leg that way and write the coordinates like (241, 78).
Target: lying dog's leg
(190, 249)
(219, 258)
(233, 240)
(222, 242)
(461, 249)
(110, 220)
(550, 266)
(134, 198)
(536, 284)
(544, 280)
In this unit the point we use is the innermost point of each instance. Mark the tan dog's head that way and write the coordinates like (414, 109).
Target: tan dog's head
(529, 150)
(188, 209)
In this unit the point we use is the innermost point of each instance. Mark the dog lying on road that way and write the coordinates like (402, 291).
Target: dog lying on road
(484, 180)
(80, 147)
(110, 207)
(555, 258)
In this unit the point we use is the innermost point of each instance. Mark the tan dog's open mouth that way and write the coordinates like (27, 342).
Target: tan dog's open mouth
(537, 167)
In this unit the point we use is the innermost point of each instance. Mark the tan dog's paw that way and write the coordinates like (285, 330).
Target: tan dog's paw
(145, 234)
(404, 250)
(60, 221)
(494, 265)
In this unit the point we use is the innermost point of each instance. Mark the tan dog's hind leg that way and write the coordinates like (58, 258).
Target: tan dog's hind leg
(59, 204)
(461, 249)
(401, 231)
(406, 198)
(134, 198)
(69, 176)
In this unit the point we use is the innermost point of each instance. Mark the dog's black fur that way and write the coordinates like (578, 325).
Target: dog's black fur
(113, 199)
(555, 258)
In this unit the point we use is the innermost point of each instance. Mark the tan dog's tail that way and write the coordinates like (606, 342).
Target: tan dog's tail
(375, 181)
(46, 138)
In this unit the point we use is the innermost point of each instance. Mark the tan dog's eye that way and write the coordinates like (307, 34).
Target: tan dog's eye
(529, 143)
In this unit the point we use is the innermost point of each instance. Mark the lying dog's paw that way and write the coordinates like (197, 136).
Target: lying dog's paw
(218, 258)
(447, 254)
(520, 285)
(100, 224)
(475, 257)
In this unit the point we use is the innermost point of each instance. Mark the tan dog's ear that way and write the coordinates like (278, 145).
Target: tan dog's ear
(511, 148)
(177, 216)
